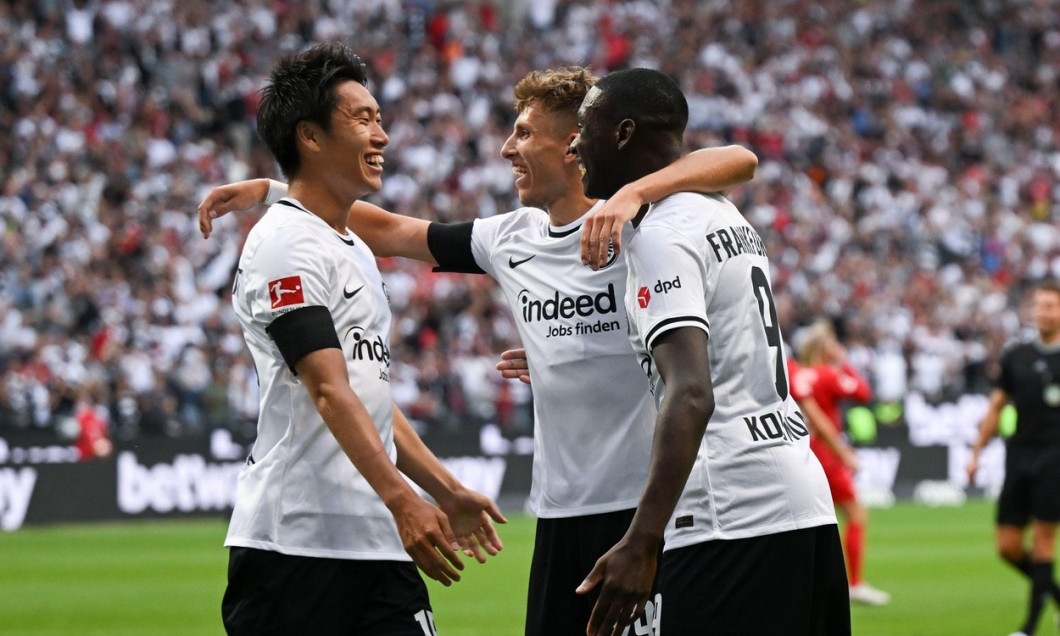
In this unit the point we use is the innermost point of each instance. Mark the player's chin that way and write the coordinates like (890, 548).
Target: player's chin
(373, 182)
(529, 198)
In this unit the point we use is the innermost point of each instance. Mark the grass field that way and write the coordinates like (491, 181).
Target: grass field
(167, 578)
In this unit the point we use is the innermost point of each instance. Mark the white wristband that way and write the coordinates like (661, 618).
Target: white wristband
(277, 191)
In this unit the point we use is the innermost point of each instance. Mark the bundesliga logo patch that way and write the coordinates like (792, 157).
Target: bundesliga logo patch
(285, 292)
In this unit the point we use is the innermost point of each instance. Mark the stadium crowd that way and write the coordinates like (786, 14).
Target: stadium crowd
(908, 186)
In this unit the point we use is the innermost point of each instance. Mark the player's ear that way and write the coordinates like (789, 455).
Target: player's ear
(571, 155)
(308, 134)
(624, 133)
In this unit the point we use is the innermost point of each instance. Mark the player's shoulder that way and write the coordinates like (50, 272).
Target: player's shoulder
(283, 230)
(1017, 349)
(511, 227)
(688, 209)
(517, 219)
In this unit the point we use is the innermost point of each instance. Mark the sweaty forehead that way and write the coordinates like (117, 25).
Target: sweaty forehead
(591, 102)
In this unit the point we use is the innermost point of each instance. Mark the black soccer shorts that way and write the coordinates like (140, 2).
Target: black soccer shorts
(565, 551)
(1032, 486)
(792, 583)
(277, 594)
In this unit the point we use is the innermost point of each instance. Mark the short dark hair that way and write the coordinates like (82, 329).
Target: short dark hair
(1048, 285)
(302, 88)
(646, 96)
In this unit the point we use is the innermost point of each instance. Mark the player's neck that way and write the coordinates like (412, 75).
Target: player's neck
(322, 201)
(569, 209)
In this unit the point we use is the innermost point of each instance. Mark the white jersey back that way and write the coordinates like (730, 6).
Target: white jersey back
(593, 415)
(695, 262)
(299, 493)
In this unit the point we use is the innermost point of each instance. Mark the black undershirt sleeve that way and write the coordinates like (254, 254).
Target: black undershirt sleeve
(303, 331)
(450, 244)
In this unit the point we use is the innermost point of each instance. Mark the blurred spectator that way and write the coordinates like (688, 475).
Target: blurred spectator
(907, 189)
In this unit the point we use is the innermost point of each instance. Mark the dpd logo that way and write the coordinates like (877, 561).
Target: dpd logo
(664, 286)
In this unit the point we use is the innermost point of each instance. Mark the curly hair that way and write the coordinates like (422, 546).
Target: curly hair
(559, 91)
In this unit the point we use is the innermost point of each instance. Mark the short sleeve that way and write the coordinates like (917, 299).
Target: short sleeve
(669, 280)
(288, 271)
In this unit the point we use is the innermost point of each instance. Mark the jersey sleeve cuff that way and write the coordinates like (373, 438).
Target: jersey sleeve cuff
(668, 324)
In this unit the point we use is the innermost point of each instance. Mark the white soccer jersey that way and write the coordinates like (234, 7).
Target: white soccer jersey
(593, 415)
(695, 262)
(299, 493)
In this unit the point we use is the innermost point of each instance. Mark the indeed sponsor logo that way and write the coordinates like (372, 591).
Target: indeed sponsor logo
(559, 306)
(367, 348)
(188, 484)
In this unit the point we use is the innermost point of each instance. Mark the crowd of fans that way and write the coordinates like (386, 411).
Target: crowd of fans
(908, 183)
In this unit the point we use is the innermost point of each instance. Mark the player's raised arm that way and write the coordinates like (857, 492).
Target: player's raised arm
(386, 233)
(232, 197)
(705, 170)
(626, 572)
(471, 515)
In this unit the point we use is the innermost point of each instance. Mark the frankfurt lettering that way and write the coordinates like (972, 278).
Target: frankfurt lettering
(739, 239)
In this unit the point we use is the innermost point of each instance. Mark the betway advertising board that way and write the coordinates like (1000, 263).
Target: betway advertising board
(42, 481)
(920, 457)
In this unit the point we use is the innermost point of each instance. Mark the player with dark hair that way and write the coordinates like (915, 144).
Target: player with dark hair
(733, 486)
(833, 380)
(324, 523)
(592, 411)
(1030, 380)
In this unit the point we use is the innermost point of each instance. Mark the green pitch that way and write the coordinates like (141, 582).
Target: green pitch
(166, 578)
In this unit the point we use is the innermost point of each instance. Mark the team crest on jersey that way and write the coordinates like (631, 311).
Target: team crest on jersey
(611, 255)
(285, 292)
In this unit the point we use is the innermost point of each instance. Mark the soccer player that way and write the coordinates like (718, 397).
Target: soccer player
(833, 380)
(1030, 380)
(751, 543)
(324, 523)
(593, 414)
(821, 426)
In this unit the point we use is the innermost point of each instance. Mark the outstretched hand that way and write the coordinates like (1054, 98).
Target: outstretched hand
(232, 197)
(428, 538)
(471, 516)
(602, 230)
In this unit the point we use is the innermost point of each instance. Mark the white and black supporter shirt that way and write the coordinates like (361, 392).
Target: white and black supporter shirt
(301, 286)
(593, 415)
(695, 262)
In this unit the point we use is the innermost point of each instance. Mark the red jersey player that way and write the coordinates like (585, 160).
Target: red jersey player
(831, 380)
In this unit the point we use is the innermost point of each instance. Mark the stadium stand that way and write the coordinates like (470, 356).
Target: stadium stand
(908, 184)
